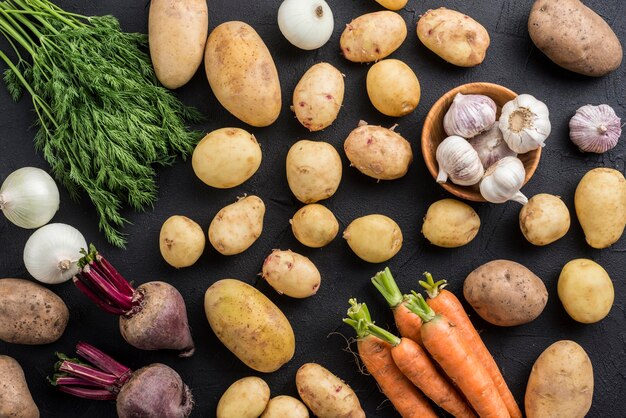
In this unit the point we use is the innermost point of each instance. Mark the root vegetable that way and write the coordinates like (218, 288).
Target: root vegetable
(291, 274)
(374, 238)
(285, 407)
(237, 226)
(314, 225)
(181, 241)
(15, 398)
(373, 36)
(318, 96)
(313, 170)
(246, 398)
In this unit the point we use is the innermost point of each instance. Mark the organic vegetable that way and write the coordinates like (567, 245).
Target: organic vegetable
(291, 274)
(393, 87)
(595, 128)
(15, 398)
(242, 73)
(586, 290)
(374, 238)
(600, 202)
(307, 24)
(392, 4)
(503, 180)
(372, 36)
(450, 223)
(455, 37)
(505, 293)
(447, 304)
(574, 37)
(155, 390)
(181, 241)
(318, 96)
(314, 225)
(29, 197)
(284, 406)
(469, 115)
(237, 226)
(52, 252)
(103, 119)
(491, 147)
(544, 219)
(249, 325)
(525, 123)
(31, 314)
(327, 395)
(313, 170)
(152, 316)
(378, 152)
(378, 360)
(177, 33)
(560, 383)
(458, 161)
(246, 398)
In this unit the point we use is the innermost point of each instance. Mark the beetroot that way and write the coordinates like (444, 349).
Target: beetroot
(152, 317)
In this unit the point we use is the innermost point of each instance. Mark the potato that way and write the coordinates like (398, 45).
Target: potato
(314, 225)
(313, 170)
(15, 398)
(177, 34)
(505, 293)
(392, 4)
(373, 36)
(226, 157)
(284, 406)
(455, 37)
(318, 96)
(31, 314)
(325, 394)
(560, 383)
(600, 202)
(237, 226)
(249, 325)
(291, 274)
(378, 152)
(586, 290)
(181, 241)
(374, 238)
(544, 219)
(242, 73)
(246, 398)
(574, 37)
(393, 87)
(450, 223)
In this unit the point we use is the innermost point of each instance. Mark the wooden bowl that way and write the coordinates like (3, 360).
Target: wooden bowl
(433, 134)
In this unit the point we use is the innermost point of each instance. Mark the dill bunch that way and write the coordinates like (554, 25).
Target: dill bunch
(103, 121)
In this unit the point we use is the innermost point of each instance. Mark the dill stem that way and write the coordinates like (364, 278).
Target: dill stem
(54, 10)
(27, 23)
(12, 28)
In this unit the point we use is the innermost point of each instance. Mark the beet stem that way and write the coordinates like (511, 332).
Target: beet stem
(116, 278)
(88, 373)
(73, 381)
(122, 301)
(89, 393)
(103, 304)
(103, 361)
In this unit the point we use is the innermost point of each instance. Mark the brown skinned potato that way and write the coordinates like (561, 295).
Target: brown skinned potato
(15, 398)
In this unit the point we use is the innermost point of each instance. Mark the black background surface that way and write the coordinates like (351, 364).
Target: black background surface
(512, 61)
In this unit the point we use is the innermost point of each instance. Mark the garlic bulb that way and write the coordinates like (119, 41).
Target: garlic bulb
(503, 180)
(469, 115)
(459, 161)
(595, 128)
(525, 123)
(307, 24)
(491, 147)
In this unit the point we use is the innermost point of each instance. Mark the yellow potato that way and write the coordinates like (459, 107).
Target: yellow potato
(181, 241)
(318, 96)
(393, 87)
(313, 170)
(242, 73)
(373, 36)
(314, 225)
(284, 406)
(455, 37)
(249, 325)
(600, 202)
(291, 274)
(226, 157)
(392, 4)
(237, 226)
(586, 290)
(450, 223)
(560, 383)
(177, 34)
(15, 398)
(544, 219)
(246, 398)
(374, 238)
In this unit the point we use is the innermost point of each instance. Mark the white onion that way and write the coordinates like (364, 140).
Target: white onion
(307, 24)
(52, 251)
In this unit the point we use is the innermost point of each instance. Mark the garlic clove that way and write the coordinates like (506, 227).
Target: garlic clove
(458, 161)
(595, 128)
(525, 123)
(491, 147)
(503, 181)
(469, 115)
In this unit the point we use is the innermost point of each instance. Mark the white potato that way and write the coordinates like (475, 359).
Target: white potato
(181, 241)
(246, 398)
(314, 225)
(313, 170)
(284, 406)
(237, 226)
(291, 274)
(374, 238)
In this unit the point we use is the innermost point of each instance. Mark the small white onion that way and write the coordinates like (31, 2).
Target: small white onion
(307, 24)
(52, 251)
(29, 197)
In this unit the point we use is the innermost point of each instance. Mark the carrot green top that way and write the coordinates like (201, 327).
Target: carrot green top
(386, 285)
(417, 305)
(361, 321)
(431, 286)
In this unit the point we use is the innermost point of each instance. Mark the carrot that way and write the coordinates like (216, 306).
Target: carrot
(407, 322)
(444, 302)
(444, 342)
(376, 356)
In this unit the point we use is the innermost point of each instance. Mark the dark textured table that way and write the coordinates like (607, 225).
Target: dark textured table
(512, 61)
